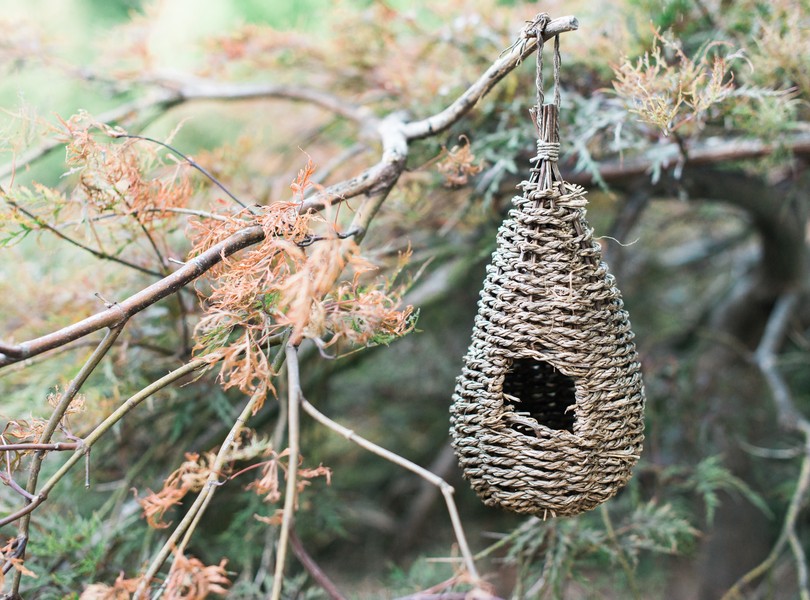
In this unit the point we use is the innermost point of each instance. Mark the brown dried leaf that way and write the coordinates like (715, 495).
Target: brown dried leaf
(459, 164)
(189, 477)
(190, 579)
(120, 590)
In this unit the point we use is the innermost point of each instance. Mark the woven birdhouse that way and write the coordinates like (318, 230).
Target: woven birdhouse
(547, 415)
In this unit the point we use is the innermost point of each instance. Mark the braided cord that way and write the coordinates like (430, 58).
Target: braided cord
(539, 27)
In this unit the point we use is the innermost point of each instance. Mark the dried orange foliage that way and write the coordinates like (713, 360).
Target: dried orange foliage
(77, 405)
(290, 282)
(268, 485)
(671, 93)
(24, 431)
(111, 176)
(189, 477)
(8, 556)
(120, 590)
(190, 579)
(459, 164)
(254, 47)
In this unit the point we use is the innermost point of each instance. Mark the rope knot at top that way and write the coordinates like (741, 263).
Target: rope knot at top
(536, 27)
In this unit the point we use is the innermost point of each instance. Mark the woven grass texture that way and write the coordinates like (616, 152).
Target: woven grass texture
(547, 415)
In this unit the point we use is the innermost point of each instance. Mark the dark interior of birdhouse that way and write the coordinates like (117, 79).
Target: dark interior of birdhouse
(541, 392)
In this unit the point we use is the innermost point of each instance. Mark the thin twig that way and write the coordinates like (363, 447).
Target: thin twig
(191, 162)
(792, 420)
(97, 253)
(190, 271)
(119, 413)
(8, 480)
(55, 447)
(446, 488)
(191, 88)
(294, 396)
(801, 565)
(312, 567)
(189, 522)
(81, 344)
(503, 66)
(58, 413)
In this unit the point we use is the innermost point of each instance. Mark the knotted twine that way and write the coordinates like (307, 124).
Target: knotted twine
(547, 415)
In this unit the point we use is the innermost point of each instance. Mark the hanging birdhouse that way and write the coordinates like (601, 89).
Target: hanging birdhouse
(547, 415)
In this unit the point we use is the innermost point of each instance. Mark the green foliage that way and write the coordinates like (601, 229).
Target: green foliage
(71, 555)
(550, 555)
(710, 476)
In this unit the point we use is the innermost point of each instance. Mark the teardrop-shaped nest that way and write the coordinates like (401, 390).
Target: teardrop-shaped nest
(547, 415)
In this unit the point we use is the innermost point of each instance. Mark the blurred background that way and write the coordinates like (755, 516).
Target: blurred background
(685, 119)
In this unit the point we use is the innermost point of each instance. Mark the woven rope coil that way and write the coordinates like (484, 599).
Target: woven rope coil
(547, 415)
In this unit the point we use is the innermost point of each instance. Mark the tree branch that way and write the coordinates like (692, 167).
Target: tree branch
(123, 310)
(446, 488)
(55, 447)
(500, 68)
(394, 133)
(708, 153)
(194, 88)
(293, 404)
(119, 413)
(313, 568)
(59, 411)
(382, 175)
(198, 507)
(790, 419)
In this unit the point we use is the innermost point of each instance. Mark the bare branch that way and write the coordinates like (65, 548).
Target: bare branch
(193, 88)
(294, 396)
(790, 419)
(711, 152)
(382, 175)
(765, 359)
(446, 488)
(56, 417)
(102, 428)
(55, 447)
(189, 522)
(160, 98)
(500, 68)
(123, 310)
(313, 569)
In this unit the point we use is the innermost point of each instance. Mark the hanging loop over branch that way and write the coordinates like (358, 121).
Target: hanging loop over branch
(537, 29)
